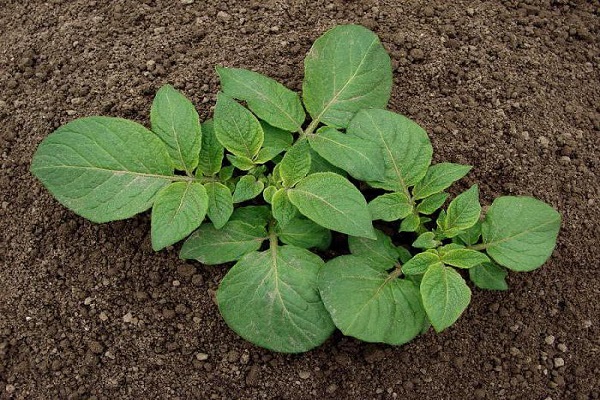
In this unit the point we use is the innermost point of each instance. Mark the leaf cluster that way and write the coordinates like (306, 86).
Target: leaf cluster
(266, 181)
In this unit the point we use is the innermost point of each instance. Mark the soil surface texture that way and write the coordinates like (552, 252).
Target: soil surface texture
(91, 312)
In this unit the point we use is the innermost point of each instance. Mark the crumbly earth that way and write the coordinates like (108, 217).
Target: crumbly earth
(90, 312)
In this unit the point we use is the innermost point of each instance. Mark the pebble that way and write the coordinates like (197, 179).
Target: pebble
(304, 374)
(417, 54)
(201, 356)
(331, 388)
(223, 16)
(252, 377)
(543, 141)
(127, 318)
(549, 340)
(96, 347)
(428, 11)
(562, 347)
(186, 2)
(103, 316)
(559, 362)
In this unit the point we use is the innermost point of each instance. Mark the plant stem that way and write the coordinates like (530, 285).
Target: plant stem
(396, 272)
(480, 246)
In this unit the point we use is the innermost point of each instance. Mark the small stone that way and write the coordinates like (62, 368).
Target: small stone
(103, 316)
(87, 301)
(479, 393)
(549, 340)
(562, 347)
(331, 388)
(176, 282)
(470, 11)
(10, 388)
(186, 2)
(96, 347)
(428, 11)
(417, 54)
(587, 323)
(223, 16)
(201, 356)
(543, 141)
(559, 362)
(127, 318)
(252, 377)
(304, 374)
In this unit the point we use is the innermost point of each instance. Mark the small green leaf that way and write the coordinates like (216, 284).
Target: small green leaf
(266, 154)
(237, 129)
(240, 162)
(175, 120)
(304, 233)
(213, 246)
(271, 299)
(178, 210)
(369, 304)
(381, 251)
(253, 215)
(445, 295)
(276, 138)
(420, 263)
(211, 151)
(464, 258)
(220, 203)
(426, 240)
(226, 173)
(247, 188)
(283, 209)
(403, 254)
(390, 207)
(347, 69)
(406, 147)
(471, 235)
(463, 212)
(439, 177)
(432, 203)
(295, 164)
(359, 157)
(102, 168)
(267, 98)
(520, 233)
(334, 203)
(489, 276)
(410, 223)
(319, 164)
(268, 194)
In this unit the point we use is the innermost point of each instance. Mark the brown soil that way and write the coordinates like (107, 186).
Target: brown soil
(89, 311)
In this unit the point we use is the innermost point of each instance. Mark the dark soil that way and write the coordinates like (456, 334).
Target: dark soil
(89, 311)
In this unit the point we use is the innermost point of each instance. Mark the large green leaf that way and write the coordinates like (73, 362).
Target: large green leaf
(432, 203)
(464, 258)
(347, 69)
(175, 120)
(213, 246)
(489, 276)
(283, 209)
(390, 207)
(102, 168)
(295, 164)
(520, 232)
(405, 145)
(369, 304)
(211, 152)
(177, 211)
(271, 299)
(445, 295)
(359, 157)
(267, 98)
(304, 233)
(439, 177)
(420, 263)
(334, 203)
(463, 212)
(253, 215)
(236, 128)
(319, 164)
(381, 251)
(220, 203)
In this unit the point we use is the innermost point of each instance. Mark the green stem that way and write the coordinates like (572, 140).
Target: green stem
(478, 247)
(273, 243)
(396, 272)
(310, 129)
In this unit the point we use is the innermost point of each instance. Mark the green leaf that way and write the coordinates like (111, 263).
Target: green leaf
(177, 211)
(276, 138)
(283, 209)
(266, 154)
(304, 233)
(237, 129)
(369, 304)
(406, 147)
(267, 98)
(520, 232)
(403, 254)
(226, 173)
(212, 246)
(319, 164)
(471, 235)
(390, 207)
(211, 151)
(464, 258)
(268, 194)
(271, 299)
(240, 162)
(247, 188)
(426, 240)
(438, 178)
(463, 212)
(410, 223)
(381, 251)
(334, 203)
(175, 120)
(295, 164)
(489, 276)
(102, 168)
(220, 203)
(359, 157)
(347, 69)
(253, 215)
(420, 263)
(430, 204)
(445, 295)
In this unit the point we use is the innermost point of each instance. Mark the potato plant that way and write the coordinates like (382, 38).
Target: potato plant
(265, 182)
